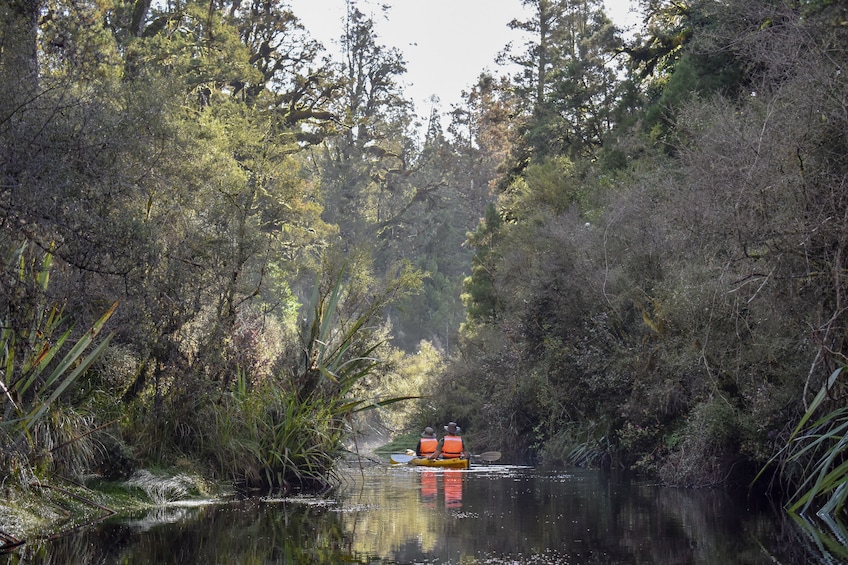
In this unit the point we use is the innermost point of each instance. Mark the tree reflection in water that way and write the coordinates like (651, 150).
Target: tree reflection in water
(490, 515)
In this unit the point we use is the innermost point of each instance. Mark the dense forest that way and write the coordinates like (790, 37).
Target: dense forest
(228, 247)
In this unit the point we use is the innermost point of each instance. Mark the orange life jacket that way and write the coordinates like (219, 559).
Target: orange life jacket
(452, 447)
(427, 446)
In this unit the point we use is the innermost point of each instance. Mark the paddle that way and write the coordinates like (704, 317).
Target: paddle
(401, 458)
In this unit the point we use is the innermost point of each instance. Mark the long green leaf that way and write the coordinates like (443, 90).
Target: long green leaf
(335, 296)
(362, 405)
(836, 502)
(66, 382)
(819, 398)
(825, 483)
(43, 361)
(81, 345)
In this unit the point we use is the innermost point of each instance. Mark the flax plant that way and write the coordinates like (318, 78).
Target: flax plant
(290, 431)
(815, 458)
(34, 373)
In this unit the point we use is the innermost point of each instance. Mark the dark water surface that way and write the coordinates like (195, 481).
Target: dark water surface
(487, 515)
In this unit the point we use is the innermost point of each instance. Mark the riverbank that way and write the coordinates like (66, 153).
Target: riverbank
(47, 509)
(43, 510)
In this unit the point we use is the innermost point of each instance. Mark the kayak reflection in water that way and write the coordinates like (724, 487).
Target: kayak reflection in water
(451, 446)
(429, 488)
(453, 488)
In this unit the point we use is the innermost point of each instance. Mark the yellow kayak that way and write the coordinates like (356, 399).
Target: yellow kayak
(449, 463)
(455, 463)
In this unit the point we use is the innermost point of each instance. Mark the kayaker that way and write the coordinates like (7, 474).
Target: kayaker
(451, 446)
(427, 444)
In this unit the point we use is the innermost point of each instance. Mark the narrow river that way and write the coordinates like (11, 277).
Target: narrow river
(496, 514)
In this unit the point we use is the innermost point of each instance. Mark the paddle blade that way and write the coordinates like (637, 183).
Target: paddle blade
(400, 458)
(489, 456)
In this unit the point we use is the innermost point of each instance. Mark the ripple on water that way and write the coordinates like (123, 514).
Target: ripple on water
(300, 499)
(547, 557)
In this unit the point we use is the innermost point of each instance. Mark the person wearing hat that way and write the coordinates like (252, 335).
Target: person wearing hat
(451, 446)
(427, 443)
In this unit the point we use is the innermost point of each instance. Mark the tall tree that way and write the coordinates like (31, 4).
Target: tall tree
(364, 168)
(540, 55)
(569, 76)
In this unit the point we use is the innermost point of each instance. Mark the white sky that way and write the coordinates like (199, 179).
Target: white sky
(446, 43)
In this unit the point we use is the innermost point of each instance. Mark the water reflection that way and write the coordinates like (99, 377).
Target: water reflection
(441, 485)
(429, 488)
(491, 515)
(827, 534)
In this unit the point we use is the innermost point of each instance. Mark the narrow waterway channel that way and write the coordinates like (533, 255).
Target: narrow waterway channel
(487, 515)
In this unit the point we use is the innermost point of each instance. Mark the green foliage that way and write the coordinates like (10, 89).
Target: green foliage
(480, 295)
(548, 185)
(410, 376)
(79, 44)
(703, 449)
(568, 82)
(307, 428)
(582, 445)
(398, 444)
(682, 299)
